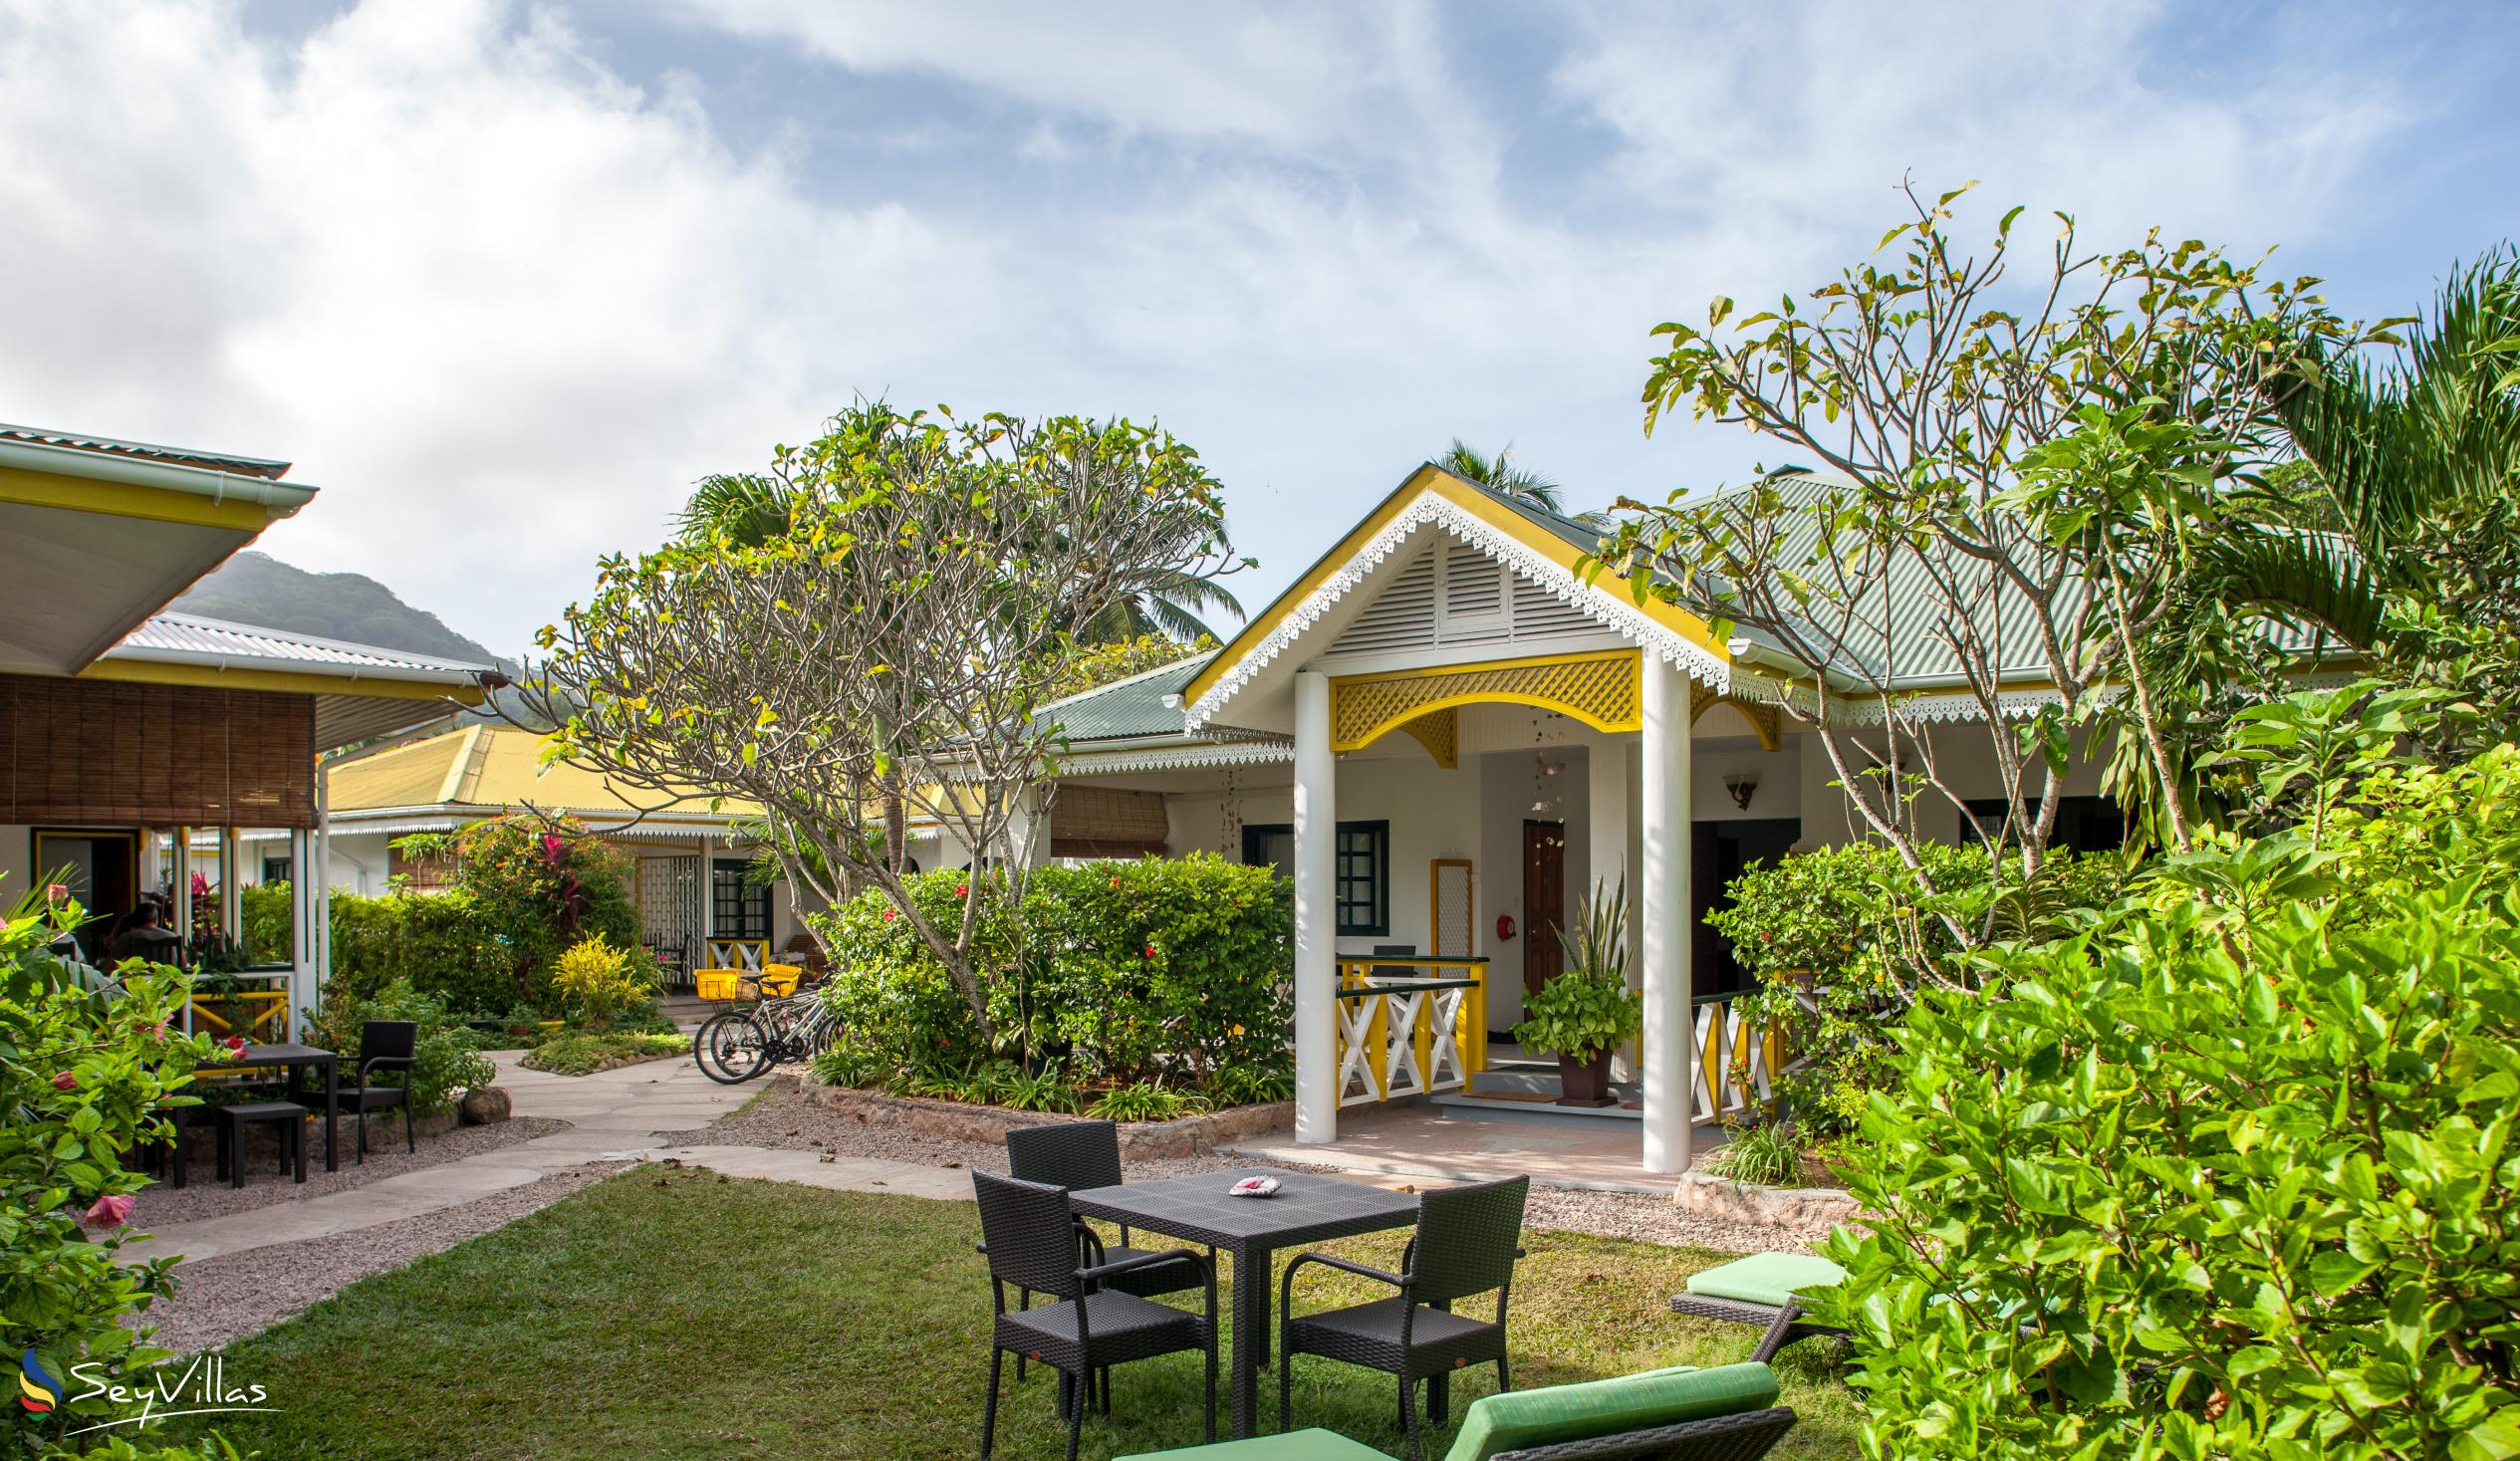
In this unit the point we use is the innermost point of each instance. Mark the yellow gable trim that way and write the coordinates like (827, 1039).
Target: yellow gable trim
(1469, 499)
(155, 673)
(126, 500)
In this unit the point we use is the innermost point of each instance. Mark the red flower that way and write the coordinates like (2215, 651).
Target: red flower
(65, 1082)
(236, 1047)
(57, 893)
(891, 913)
(962, 890)
(109, 1212)
(1150, 951)
(1116, 882)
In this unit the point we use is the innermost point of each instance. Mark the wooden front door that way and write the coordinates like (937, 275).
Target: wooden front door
(1543, 901)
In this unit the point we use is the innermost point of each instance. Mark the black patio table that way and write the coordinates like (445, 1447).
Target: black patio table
(1308, 1208)
(296, 1058)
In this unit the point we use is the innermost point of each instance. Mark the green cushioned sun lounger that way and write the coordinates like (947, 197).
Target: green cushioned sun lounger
(1315, 1444)
(1765, 1290)
(1727, 1413)
(1563, 1415)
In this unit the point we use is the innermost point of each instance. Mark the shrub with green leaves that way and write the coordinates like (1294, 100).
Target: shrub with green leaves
(86, 1076)
(1128, 971)
(447, 1059)
(2229, 1172)
(1146, 1102)
(439, 943)
(1839, 938)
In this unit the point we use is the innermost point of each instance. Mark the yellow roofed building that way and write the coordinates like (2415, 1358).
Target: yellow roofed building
(690, 855)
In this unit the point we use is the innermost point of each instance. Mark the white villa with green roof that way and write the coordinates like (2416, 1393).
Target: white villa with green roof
(1448, 738)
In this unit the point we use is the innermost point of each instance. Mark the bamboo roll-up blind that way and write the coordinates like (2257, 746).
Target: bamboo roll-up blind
(88, 752)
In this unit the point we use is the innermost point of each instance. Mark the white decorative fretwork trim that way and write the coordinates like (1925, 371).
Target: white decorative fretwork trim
(1627, 618)
(1177, 758)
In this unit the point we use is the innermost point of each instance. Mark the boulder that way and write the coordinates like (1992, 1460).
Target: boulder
(483, 1104)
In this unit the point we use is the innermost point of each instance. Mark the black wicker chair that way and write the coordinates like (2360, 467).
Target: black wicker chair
(1074, 1155)
(1029, 1235)
(1467, 1241)
(385, 1044)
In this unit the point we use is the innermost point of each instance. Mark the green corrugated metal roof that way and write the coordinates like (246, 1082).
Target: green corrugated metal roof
(1127, 708)
(251, 466)
(1910, 615)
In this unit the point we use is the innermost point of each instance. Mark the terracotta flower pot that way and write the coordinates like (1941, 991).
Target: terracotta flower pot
(1584, 1082)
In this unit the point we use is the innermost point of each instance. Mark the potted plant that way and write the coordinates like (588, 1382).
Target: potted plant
(1587, 1012)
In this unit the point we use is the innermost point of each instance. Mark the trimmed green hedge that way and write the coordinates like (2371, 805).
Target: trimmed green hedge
(1144, 970)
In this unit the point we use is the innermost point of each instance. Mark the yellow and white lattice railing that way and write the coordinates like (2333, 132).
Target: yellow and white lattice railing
(744, 954)
(257, 1012)
(1409, 1026)
(1736, 1061)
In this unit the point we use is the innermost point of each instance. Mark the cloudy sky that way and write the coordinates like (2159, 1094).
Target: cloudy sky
(504, 277)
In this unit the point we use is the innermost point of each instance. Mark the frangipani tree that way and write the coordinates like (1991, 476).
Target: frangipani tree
(896, 638)
(1963, 554)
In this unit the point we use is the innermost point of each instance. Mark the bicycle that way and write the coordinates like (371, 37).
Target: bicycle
(736, 1045)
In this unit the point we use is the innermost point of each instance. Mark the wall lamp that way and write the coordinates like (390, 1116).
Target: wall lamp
(1742, 787)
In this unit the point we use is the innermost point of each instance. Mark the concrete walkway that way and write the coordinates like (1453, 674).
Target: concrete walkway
(614, 1115)
(1423, 1142)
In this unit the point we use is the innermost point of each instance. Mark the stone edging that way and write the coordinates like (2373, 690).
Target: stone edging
(954, 1120)
(1775, 1207)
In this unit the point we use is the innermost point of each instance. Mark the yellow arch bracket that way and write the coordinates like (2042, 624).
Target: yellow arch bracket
(1767, 721)
(1599, 689)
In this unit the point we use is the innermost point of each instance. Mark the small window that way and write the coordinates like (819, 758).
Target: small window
(275, 870)
(2083, 824)
(1361, 876)
(740, 911)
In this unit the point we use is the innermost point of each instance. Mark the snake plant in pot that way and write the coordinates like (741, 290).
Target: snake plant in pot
(1587, 1012)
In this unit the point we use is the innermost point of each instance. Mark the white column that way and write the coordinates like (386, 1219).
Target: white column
(708, 897)
(1316, 915)
(302, 937)
(1663, 890)
(183, 882)
(231, 887)
(321, 875)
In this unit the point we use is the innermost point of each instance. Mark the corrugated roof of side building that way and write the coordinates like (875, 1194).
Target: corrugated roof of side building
(405, 775)
(217, 461)
(189, 633)
(1128, 708)
(495, 768)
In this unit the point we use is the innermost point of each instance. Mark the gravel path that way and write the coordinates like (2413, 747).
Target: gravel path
(781, 1117)
(205, 1196)
(226, 1299)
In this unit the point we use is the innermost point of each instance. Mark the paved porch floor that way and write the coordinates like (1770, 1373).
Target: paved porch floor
(1421, 1141)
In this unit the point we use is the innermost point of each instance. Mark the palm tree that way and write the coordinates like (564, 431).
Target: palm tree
(2419, 466)
(1171, 608)
(746, 510)
(1501, 473)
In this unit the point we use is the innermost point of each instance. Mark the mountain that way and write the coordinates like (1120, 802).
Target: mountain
(255, 589)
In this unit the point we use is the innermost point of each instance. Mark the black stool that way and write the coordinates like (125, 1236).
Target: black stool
(233, 1120)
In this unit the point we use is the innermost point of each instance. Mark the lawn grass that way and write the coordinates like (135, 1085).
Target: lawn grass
(582, 1053)
(683, 1315)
